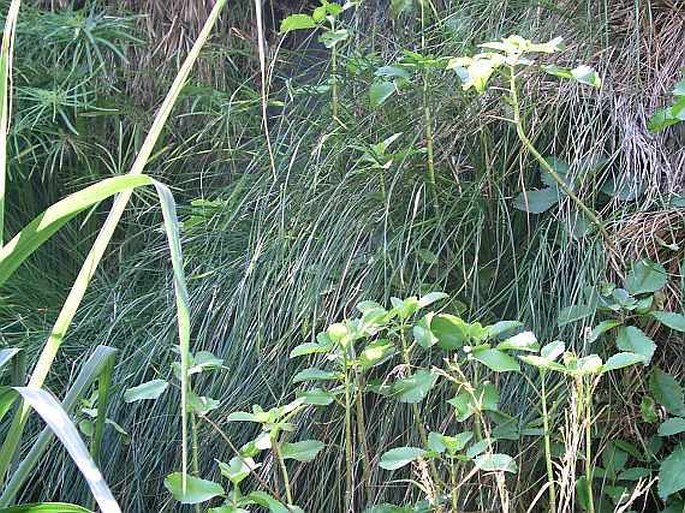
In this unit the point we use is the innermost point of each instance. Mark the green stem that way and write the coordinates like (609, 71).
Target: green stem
(195, 451)
(334, 77)
(349, 450)
(428, 121)
(546, 166)
(454, 485)
(548, 444)
(587, 399)
(284, 470)
(361, 433)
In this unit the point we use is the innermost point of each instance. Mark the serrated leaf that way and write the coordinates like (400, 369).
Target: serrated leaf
(673, 320)
(399, 457)
(622, 360)
(414, 388)
(496, 360)
(496, 462)
(538, 201)
(146, 391)
(672, 426)
(633, 340)
(303, 451)
(672, 473)
(646, 277)
(197, 490)
(667, 391)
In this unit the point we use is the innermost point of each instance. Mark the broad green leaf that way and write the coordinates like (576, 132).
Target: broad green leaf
(399, 457)
(237, 469)
(312, 374)
(672, 426)
(148, 390)
(376, 353)
(584, 366)
(496, 360)
(496, 462)
(414, 388)
(634, 474)
(633, 340)
(538, 201)
(58, 421)
(675, 321)
(30, 238)
(525, 341)
(308, 348)
(602, 328)
(422, 332)
(672, 473)
(667, 391)
(304, 451)
(501, 327)
(273, 505)
(297, 22)
(646, 277)
(574, 313)
(46, 507)
(227, 508)
(586, 75)
(553, 350)
(331, 38)
(317, 397)
(450, 330)
(197, 490)
(432, 297)
(390, 508)
(622, 360)
(379, 92)
(200, 404)
(242, 416)
(484, 398)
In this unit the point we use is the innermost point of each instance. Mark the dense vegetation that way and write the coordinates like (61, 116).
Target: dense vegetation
(373, 257)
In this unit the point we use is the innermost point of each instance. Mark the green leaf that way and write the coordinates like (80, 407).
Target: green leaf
(634, 474)
(237, 469)
(496, 462)
(379, 92)
(399, 457)
(646, 277)
(496, 360)
(633, 340)
(501, 327)
(484, 398)
(148, 390)
(553, 350)
(267, 501)
(376, 353)
(414, 388)
(574, 313)
(30, 238)
(312, 374)
(525, 341)
(672, 473)
(450, 330)
(432, 297)
(46, 507)
(202, 405)
(317, 397)
(297, 22)
(242, 416)
(602, 328)
(538, 201)
(667, 391)
(422, 332)
(672, 426)
(586, 75)
(197, 490)
(307, 349)
(675, 321)
(622, 360)
(304, 451)
(331, 38)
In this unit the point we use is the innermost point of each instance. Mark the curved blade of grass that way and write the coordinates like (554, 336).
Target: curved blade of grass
(49, 222)
(6, 101)
(61, 425)
(46, 507)
(99, 363)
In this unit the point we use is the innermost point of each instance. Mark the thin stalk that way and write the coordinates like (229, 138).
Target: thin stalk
(587, 399)
(546, 166)
(361, 433)
(349, 450)
(195, 451)
(334, 77)
(6, 54)
(284, 471)
(78, 290)
(264, 89)
(454, 485)
(548, 445)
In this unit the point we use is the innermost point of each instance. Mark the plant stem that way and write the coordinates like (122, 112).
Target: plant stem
(546, 166)
(587, 399)
(284, 470)
(195, 451)
(548, 445)
(361, 433)
(349, 450)
(334, 78)
(454, 492)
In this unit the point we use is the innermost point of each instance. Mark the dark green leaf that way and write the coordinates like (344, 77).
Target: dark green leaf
(197, 490)
(149, 390)
(675, 321)
(450, 330)
(646, 277)
(672, 473)
(380, 92)
(415, 388)
(574, 313)
(399, 457)
(538, 201)
(304, 451)
(667, 391)
(496, 360)
(672, 426)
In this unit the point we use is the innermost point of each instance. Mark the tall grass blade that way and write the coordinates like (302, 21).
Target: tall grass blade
(61, 425)
(46, 507)
(98, 365)
(49, 222)
(6, 102)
